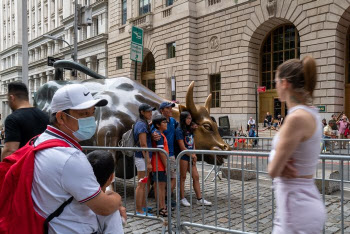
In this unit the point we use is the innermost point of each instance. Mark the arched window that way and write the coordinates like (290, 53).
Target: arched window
(282, 43)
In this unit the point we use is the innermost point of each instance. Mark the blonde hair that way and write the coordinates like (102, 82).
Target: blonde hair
(301, 74)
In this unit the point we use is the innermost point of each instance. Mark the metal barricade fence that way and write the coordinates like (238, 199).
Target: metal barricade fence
(264, 144)
(202, 217)
(123, 192)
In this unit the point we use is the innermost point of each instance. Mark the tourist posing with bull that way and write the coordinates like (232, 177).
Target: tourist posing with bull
(185, 136)
(142, 134)
(166, 109)
(295, 152)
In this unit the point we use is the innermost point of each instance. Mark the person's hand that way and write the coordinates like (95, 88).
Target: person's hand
(289, 170)
(194, 159)
(122, 212)
(149, 167)
(155, 136)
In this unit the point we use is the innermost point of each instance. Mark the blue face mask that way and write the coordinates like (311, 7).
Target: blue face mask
(87, 128)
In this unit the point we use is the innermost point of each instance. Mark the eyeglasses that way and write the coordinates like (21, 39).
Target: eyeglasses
(164, 121)
(189, 118)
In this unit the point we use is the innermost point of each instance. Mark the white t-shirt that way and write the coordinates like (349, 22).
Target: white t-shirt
(60, 173)
(111, 224)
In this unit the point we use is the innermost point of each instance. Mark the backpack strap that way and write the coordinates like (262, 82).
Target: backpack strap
(54, 214)
(45, 145)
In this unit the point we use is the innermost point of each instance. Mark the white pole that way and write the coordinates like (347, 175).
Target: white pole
(24, 43)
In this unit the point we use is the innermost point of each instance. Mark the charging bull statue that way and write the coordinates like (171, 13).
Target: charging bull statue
(124, 97)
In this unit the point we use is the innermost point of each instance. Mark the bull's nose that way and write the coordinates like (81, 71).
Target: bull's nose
(226, 147)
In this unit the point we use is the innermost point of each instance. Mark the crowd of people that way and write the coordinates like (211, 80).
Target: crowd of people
(56, 181)
(337, 128)
(64, 176)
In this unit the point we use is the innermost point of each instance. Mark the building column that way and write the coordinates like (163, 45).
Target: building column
(49, 48)
(36, 82)
(102, 66)
(30, 57)
(49, 76)
(36, 54)
(104, 22)
(30, 86)
(56, 47)
(42, 47)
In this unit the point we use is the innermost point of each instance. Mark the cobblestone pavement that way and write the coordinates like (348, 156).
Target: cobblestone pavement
(220, 209)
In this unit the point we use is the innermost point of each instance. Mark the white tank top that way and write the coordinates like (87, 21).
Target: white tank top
(307, 153)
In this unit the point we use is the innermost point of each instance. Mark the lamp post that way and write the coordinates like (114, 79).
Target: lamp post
(60, 39)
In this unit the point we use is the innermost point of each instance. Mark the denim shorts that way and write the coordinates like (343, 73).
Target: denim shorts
(186, 158)
(161, 176)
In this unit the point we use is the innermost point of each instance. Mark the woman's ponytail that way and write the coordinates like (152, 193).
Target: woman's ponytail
(310, 75)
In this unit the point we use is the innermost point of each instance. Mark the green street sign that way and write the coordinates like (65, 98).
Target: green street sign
(322, 108)
(136, 47)
(137, 35)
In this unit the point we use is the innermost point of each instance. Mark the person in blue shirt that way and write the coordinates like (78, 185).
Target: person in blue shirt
(142, 135)
(185, 139)
(166, 109)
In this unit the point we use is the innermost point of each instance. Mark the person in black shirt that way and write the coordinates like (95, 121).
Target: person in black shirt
(25, 121)
(268, 119)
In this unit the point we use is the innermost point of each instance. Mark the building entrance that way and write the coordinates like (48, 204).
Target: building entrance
(148, 72)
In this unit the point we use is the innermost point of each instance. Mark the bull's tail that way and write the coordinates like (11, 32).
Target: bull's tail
(65, 64)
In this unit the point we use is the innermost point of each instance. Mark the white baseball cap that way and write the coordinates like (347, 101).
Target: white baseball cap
(74, 97)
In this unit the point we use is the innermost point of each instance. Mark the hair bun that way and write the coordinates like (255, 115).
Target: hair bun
(310, 75)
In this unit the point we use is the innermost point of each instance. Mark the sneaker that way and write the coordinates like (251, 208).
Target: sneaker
(144, 214)
(148, 209)
(203, 202)
(184, 202)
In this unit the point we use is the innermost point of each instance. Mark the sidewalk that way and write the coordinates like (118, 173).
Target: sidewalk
(137, 225)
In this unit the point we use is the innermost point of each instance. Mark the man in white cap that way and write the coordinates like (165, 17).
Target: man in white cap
(64, 172)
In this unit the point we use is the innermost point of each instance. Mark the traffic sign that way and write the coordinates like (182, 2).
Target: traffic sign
(261, 89)
(51, 61)
(321, 108)
(136, 48)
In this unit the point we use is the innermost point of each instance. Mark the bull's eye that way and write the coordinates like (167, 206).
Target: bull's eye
(207, 127)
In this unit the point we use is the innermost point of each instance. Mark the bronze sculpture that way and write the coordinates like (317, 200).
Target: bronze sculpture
(124, 97)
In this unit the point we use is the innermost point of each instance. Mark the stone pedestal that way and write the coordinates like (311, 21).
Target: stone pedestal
(329, 186)
(236, 173)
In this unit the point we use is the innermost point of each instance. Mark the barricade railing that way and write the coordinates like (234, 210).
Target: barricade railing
(204, 218)
(264, 144)
(166, 221)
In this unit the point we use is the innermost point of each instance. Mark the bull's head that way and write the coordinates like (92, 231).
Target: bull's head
(207, 135)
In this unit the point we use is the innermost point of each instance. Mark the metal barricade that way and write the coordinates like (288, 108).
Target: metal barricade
(228, 220)
(166, 222)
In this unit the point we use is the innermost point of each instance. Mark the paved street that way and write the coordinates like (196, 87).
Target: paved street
(220, 209)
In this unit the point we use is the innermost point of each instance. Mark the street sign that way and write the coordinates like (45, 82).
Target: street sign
(51, 61)
(261, 89)
(136, 48)
(321, 108)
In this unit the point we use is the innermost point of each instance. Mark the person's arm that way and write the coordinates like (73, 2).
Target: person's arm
(12, 136)
(9, 148)
(105, 203)
(143, 144)
(289, 139)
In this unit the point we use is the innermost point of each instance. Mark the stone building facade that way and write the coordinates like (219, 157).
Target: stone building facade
(55, 18)
(228, 47)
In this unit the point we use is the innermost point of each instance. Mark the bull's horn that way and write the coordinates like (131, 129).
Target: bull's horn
(190, 106)
(208, 103)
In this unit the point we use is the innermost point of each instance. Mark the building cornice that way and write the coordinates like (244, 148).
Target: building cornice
(12, 48)
(41, 37)
(11, 70)
(88, 43)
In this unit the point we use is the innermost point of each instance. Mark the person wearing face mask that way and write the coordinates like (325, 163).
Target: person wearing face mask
(64, 172)
(25, 121)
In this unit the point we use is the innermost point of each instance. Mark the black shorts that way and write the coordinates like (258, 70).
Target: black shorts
(161, 176)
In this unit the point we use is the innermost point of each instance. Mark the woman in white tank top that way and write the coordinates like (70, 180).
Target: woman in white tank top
(295, 152)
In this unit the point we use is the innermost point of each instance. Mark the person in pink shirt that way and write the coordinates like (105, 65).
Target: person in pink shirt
(343, 125)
